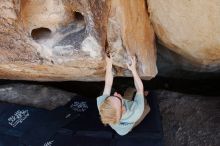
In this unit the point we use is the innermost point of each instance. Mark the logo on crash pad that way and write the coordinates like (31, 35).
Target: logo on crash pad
(49, 143)
(79, 106)
(18, 118)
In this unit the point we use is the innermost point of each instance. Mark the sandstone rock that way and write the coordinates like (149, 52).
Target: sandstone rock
(129, 30)
(67, 39)
(189, 28)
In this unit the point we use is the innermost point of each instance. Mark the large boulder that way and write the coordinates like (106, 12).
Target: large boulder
(189, 28)
(67, 39)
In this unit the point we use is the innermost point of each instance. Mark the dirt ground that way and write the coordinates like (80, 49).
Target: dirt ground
(189, 120)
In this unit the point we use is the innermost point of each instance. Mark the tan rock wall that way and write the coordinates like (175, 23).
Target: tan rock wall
(190, 28)
(130, 32)
(67, 39)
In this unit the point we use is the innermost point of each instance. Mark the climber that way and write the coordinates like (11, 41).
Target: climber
(122, 113)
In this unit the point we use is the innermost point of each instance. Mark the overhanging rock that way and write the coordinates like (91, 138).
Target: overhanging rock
(57, 40)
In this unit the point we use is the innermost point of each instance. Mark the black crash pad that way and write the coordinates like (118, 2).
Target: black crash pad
(76, 123)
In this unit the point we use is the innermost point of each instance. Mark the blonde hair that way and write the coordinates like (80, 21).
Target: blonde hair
(108, 113)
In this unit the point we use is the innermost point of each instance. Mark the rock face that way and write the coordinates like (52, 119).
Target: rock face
(129, 27)
(67, 39)
(189, 28)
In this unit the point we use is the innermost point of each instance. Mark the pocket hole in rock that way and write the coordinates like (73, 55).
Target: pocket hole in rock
(40, 33)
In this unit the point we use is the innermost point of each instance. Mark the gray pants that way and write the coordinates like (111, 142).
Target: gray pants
(146, 111)
(129, 95)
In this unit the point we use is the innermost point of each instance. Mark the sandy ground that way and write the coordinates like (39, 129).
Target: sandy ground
(189, 120)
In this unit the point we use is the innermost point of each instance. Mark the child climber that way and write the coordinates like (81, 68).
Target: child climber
(120, 113)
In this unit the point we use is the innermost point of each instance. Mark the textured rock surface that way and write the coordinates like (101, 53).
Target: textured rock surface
(130, 32)
(67, 39)
(189, 119)
(189, 28)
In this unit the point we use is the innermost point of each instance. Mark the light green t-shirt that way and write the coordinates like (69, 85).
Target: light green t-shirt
(134, 110)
